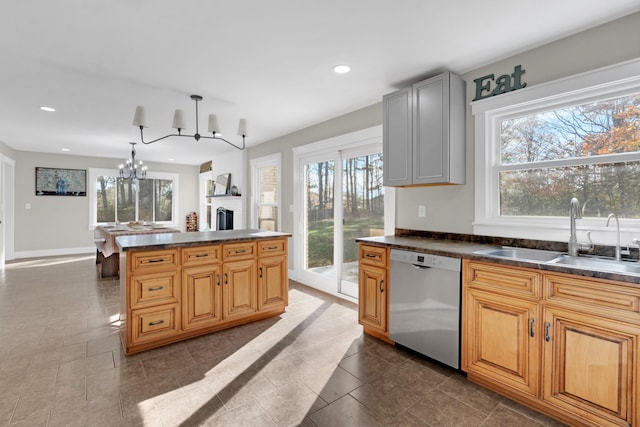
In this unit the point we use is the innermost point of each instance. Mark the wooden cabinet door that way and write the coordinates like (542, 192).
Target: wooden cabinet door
(501, 340)
(273, 283)
(240, 289)
(201, 296)
(372, 297)
(591, 367)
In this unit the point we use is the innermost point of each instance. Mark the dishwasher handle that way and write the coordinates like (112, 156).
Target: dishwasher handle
(421, 267)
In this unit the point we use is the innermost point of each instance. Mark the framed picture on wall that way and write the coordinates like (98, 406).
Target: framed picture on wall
(61, 182)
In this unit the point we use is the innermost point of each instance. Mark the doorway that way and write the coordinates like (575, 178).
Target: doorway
(338, 197)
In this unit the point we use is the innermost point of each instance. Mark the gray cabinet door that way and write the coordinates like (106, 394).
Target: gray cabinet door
(431, 130)
(397, 138)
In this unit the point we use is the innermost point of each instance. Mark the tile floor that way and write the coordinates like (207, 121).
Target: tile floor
(61, 364)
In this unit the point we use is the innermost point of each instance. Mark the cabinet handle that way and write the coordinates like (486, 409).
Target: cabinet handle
(156, 260)
(157, 322)
(226, 278)
(546, 331)
(531, 322)
(240, 251)
(218, 279)
(201, 255)
(157, 288)
(381, 283)
(260, 272)
(272, 247)
(370, 255)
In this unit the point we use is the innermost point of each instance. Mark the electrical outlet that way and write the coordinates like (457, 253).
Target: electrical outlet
(422, 211)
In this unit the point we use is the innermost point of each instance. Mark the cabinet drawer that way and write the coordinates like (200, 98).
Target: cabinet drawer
(154, 323)
(272, 247)
(199, 255)
(605, 297)
(502, 279)
(236, 251)
(373, 255)
(154, 289)
(153, 260)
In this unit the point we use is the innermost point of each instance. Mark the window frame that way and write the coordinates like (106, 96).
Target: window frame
(615, 80)
(92, 193)
(272, 160)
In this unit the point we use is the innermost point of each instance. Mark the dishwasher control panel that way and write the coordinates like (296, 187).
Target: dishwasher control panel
(425, 260)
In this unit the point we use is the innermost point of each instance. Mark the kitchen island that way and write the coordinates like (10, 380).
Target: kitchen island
(179, 286)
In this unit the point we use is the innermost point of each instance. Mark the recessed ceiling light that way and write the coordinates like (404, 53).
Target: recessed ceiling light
(171, 159)
(341, 69)
(65, 149)
(50, 109)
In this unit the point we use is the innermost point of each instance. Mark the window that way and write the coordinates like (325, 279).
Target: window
(539, 147)
(266, 196)
(116, 199)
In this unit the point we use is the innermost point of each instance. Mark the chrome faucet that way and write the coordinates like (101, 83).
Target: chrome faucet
(618, 250)
(574, 214)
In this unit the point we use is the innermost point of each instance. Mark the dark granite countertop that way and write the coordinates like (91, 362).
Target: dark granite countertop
(196, 238)
(463, 246)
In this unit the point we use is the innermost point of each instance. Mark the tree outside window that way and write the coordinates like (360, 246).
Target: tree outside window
(589, 151)
(126, 200)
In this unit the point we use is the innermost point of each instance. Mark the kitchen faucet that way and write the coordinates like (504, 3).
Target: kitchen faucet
(573, 215)
(618, 251)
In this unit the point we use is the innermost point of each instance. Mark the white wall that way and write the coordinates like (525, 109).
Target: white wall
(59, 225)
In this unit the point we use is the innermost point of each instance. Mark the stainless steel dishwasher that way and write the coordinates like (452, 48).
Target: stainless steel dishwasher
(424, 307)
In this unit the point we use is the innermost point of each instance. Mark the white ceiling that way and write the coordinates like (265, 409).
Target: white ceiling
(267, 61)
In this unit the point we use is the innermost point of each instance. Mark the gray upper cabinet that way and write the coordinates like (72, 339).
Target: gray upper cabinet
(424, 133)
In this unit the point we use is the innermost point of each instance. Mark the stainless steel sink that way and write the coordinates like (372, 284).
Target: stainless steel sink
(600, 264)
(552, 257)
(524, 254)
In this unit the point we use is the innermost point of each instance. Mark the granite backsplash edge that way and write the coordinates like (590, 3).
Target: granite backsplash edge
(599, 250)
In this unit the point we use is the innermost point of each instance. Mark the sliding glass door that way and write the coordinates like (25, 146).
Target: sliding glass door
(342, 198)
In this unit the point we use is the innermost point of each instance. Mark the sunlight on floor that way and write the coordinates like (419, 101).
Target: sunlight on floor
(45, 262)
(271, 352)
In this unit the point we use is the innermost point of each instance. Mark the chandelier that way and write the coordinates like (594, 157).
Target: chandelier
(131, 169)
(139, 120)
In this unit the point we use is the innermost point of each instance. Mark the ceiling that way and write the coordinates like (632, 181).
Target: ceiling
(267, 61)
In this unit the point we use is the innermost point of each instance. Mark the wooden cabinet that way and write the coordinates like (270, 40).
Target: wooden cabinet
(273, 274)
(568, 346)
(152, 297)
(201, 296)
(424, 133)
(240, 285)
(240, 289)
(171, 295)
(501, 339)
(373, 295)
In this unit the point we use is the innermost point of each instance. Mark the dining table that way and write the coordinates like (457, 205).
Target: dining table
(107, 255)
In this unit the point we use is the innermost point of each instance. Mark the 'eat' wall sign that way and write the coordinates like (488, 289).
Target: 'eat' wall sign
(504, 83)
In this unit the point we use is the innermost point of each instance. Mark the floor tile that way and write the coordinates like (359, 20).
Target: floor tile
(345, 412)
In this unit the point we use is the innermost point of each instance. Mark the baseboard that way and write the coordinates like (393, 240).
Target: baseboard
(54, 252)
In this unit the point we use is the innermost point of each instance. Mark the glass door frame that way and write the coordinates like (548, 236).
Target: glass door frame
(333, 149)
